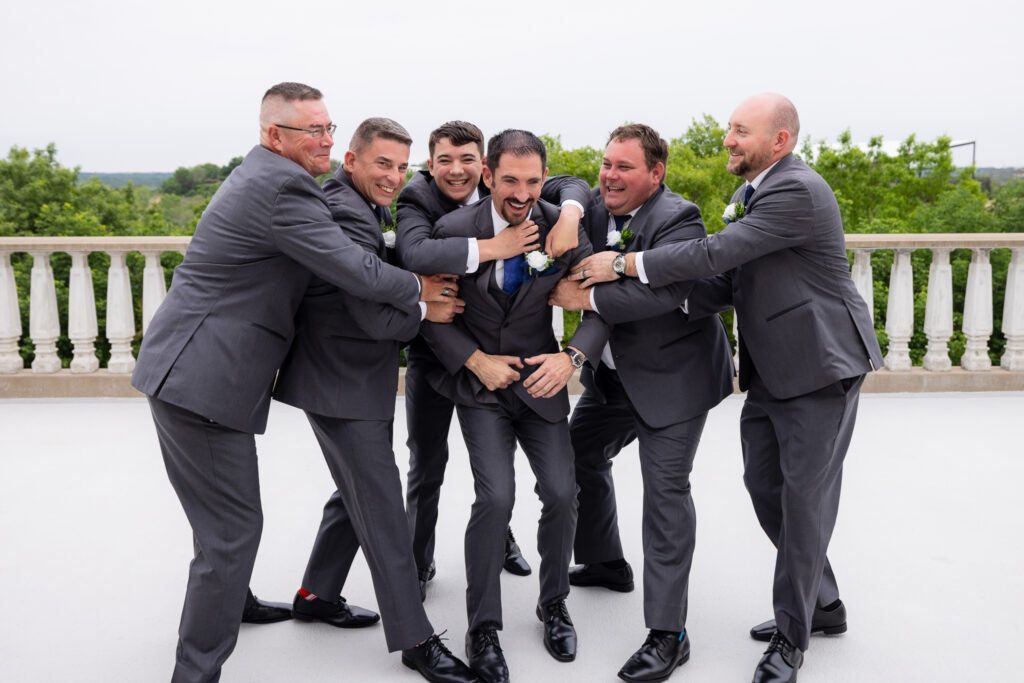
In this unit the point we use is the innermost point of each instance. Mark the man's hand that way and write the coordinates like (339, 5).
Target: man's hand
(438, 287)
(595, 268)
(444, 311)
(512, 241)
(564, 234)
(494, 371)
(554, 371)
(570, 296)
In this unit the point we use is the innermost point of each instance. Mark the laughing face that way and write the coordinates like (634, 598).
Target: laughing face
(378, 170)
(515, 185)
(456, 170)
(625, 181)
(312, 154)
(752, 140)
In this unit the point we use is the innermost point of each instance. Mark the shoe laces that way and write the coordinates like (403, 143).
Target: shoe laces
(779, 643)
(556, 609)
(485, 637)
(436, 648)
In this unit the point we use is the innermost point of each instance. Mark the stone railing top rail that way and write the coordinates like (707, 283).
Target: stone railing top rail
(926, 240)
(129, 243)
(983, 240)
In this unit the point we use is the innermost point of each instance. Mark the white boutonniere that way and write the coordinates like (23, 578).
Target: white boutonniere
(537, 261)
(618, 240)
(734, 212)
(390, 236)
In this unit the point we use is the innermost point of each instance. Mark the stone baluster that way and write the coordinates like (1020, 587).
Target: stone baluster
(120, 315)
(82, 328)
(44, 323)
(10, 319)
(899, 317)
(736, 336)
(863, 279)
(558, 323)
(154, 288)
(978, 312)
(1013, 313)
(938, 312)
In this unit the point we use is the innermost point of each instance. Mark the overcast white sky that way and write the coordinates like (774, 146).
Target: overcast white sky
(138, 86)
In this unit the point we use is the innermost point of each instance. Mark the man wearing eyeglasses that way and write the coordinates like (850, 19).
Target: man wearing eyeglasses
(209, 358)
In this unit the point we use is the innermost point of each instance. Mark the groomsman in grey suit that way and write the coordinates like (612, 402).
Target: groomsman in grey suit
(502, 367)
(805, 343)
(452, 180)
(342, 370)
(209, 358)
(655, 381)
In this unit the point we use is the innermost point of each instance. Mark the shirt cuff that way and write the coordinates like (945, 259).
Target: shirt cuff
(640, 272)
(473, 256)
(573, 202)
(593, 300)
(423, 311)
(685, 306)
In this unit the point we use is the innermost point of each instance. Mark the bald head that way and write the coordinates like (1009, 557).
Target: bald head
(762, 130)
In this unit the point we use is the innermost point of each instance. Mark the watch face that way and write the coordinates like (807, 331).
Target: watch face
(619, 264)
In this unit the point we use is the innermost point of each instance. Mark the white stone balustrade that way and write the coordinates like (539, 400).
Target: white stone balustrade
(938, 322)
(44, 327)
(82, 329)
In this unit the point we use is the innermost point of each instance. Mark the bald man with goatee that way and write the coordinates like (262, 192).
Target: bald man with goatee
(806, 341)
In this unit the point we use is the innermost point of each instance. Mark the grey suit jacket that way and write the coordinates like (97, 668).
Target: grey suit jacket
(344, 360)
(784, 268)
(220, 335)
(523, 330)
(672, 368)
(421, 204)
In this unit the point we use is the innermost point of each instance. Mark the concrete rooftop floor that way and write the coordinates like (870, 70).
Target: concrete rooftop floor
(929, 550)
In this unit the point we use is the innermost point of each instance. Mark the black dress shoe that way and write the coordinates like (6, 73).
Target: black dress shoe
(338, 613)
(830, 622)
(485, 657)
(780, 662)
(515, 563)
(559, 633)
(262, 612)
(437, 664)
(426, 575)
(598, 574)
(657, 658)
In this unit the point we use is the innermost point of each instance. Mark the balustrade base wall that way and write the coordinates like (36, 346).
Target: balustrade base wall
(103, 384)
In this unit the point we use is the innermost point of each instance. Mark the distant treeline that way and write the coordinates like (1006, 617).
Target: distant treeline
(915, 190)
(117, 180)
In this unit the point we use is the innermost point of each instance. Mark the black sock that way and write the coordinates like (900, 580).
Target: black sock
(614, 564)
(831, 606)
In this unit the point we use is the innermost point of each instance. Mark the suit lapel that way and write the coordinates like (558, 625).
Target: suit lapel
(484, 225)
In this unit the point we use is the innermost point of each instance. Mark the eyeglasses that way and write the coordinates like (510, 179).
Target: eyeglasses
(316, 132)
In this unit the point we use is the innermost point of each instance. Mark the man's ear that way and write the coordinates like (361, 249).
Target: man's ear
(349, 162)
(488, 178)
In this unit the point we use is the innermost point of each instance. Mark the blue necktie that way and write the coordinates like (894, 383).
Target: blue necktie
(513, 273)
(620, 221)
(747, 194)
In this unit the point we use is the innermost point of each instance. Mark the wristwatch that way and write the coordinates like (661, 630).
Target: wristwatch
(575, 356)
(619, 264)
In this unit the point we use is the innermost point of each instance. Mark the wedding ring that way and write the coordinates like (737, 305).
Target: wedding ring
(446, 292)
(584, 273)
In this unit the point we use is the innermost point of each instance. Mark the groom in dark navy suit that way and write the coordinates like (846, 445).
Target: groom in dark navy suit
(806, 341)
